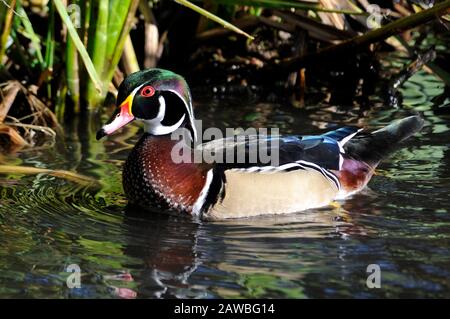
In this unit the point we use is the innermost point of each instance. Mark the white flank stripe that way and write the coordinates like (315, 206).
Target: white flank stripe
(196, 208)
(330, 176)
(266, 169)
(301, 164)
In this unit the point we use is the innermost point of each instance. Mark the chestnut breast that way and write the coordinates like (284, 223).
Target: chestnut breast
(152, 179)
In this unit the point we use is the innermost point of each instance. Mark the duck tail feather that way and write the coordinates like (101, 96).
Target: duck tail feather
(377, 145)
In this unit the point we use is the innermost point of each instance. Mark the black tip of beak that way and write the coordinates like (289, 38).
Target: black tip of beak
(100, 134)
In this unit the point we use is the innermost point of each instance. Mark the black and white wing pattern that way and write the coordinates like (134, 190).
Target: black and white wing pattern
(242, 177)
(262, 152)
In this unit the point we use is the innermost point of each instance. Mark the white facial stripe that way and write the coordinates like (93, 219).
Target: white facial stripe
(133, 93)
(162, 108)
(137, 89)
(155, 127)
(190, 112)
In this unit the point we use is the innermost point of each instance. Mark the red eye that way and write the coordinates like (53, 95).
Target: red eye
(147, 91)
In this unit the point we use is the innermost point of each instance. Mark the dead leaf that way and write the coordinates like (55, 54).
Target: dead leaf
(8, 95)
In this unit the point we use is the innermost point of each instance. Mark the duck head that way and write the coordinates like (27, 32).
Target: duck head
(159, 98)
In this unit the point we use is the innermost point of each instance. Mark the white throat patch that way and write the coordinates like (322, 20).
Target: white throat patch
(155, 127)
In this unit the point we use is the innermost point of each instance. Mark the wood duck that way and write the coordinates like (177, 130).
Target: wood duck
(312, 171)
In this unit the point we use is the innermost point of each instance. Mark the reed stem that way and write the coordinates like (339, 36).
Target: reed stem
(98, 48)
(78, 44)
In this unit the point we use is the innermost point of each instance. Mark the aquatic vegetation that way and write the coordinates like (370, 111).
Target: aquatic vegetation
(337, 61)
(70, 57)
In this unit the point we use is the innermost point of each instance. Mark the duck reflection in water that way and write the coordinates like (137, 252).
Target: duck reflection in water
(171, 247)
(167, 246)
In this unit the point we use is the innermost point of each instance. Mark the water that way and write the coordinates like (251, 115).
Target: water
(401, 222)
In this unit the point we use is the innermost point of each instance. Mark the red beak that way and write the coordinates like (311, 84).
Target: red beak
(119, 119)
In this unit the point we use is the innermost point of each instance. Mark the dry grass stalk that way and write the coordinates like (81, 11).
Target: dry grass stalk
(20, 132)
(68, 175)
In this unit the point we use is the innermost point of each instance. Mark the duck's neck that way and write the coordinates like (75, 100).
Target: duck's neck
(151, 176)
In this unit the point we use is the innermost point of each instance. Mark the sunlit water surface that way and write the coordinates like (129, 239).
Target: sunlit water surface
(400, 222)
